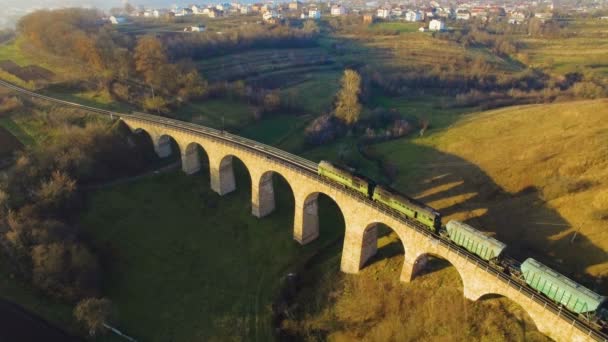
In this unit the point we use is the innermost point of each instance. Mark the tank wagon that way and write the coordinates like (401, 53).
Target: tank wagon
(556, 287)
(487, 248)
(564, 291)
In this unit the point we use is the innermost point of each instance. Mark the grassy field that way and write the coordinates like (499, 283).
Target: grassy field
(395, 26)
(412, 51)
(217, 113)
(184, 264)
(21, 53)
(585, 49)
(534, 175)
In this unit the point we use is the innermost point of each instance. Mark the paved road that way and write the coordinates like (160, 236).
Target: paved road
(18, 325)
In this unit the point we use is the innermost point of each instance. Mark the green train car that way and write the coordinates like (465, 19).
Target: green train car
(344, 177)
(562, 290)
(408, 207)
(474, 241)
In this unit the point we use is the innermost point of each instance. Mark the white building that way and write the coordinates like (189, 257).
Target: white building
(314, 13)
(413, 16)
(245, 9)
(272, 14)
(383, 13)
(463, 14)
(338, 10)
(157, 13)
(436, 25)
(182, 12)
(197, 28)
(116, 20)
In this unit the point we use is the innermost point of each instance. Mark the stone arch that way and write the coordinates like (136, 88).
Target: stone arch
(306, 218)
(380, 241)
(165, 146)
(194, 158)
(263, 196)
(528, 316)
(421, 265)
(143, 140)
(223, 180)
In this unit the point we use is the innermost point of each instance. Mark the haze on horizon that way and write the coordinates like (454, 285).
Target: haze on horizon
(14, 9)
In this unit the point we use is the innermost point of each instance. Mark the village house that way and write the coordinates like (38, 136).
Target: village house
(436, 25)
(314, 13)
(245, 9)
(295, 6)
(413, 16)
(182, 12)
(158, 13)
(215, 13)
(517, 18)
(338, 10)
(270, 15)
(383, 13)
(463, 14)
(368, 18)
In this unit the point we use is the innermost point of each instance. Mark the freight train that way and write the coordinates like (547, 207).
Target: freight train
(563, 291)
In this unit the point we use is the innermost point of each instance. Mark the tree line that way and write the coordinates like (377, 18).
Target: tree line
(138, 70)
(40, 197)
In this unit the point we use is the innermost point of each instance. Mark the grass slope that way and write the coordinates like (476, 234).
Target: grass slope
(184, 264)
(533, 175)
(375, 306)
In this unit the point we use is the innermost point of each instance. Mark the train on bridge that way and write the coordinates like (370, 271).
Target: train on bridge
(565, 292)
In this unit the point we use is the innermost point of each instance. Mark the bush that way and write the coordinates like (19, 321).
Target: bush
(324, 129)
(10, 103)
(93, 313)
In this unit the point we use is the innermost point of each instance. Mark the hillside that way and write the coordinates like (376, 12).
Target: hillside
(530, 175)
(534, 175)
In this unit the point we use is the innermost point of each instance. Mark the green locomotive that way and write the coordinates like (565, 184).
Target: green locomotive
(344, 177)
(408, 207)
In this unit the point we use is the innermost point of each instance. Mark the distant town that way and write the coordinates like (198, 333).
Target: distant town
(432, 15)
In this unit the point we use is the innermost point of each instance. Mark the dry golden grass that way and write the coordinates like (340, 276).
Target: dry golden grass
(534, 175)
(375, 306)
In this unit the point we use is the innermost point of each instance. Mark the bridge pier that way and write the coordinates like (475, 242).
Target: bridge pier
(222, 176)
(413, 264)
(162, 146)
(369, 246)
(262, 195)
(191, 162)
(306, 219)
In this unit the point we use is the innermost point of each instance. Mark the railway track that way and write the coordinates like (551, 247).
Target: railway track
(309, 169)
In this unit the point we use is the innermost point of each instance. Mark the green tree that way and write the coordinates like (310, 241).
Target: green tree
(348, 107)
(94, 313)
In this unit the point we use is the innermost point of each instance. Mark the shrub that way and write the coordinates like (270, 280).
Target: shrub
(93, 313)
(10, 103)
(324, 129)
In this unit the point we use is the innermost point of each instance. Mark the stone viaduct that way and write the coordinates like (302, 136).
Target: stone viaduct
(361, 219)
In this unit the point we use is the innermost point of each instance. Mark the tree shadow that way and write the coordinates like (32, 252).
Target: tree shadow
(523, 220)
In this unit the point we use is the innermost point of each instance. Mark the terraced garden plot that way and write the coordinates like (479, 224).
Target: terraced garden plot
(258, 62)
(413, 51)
